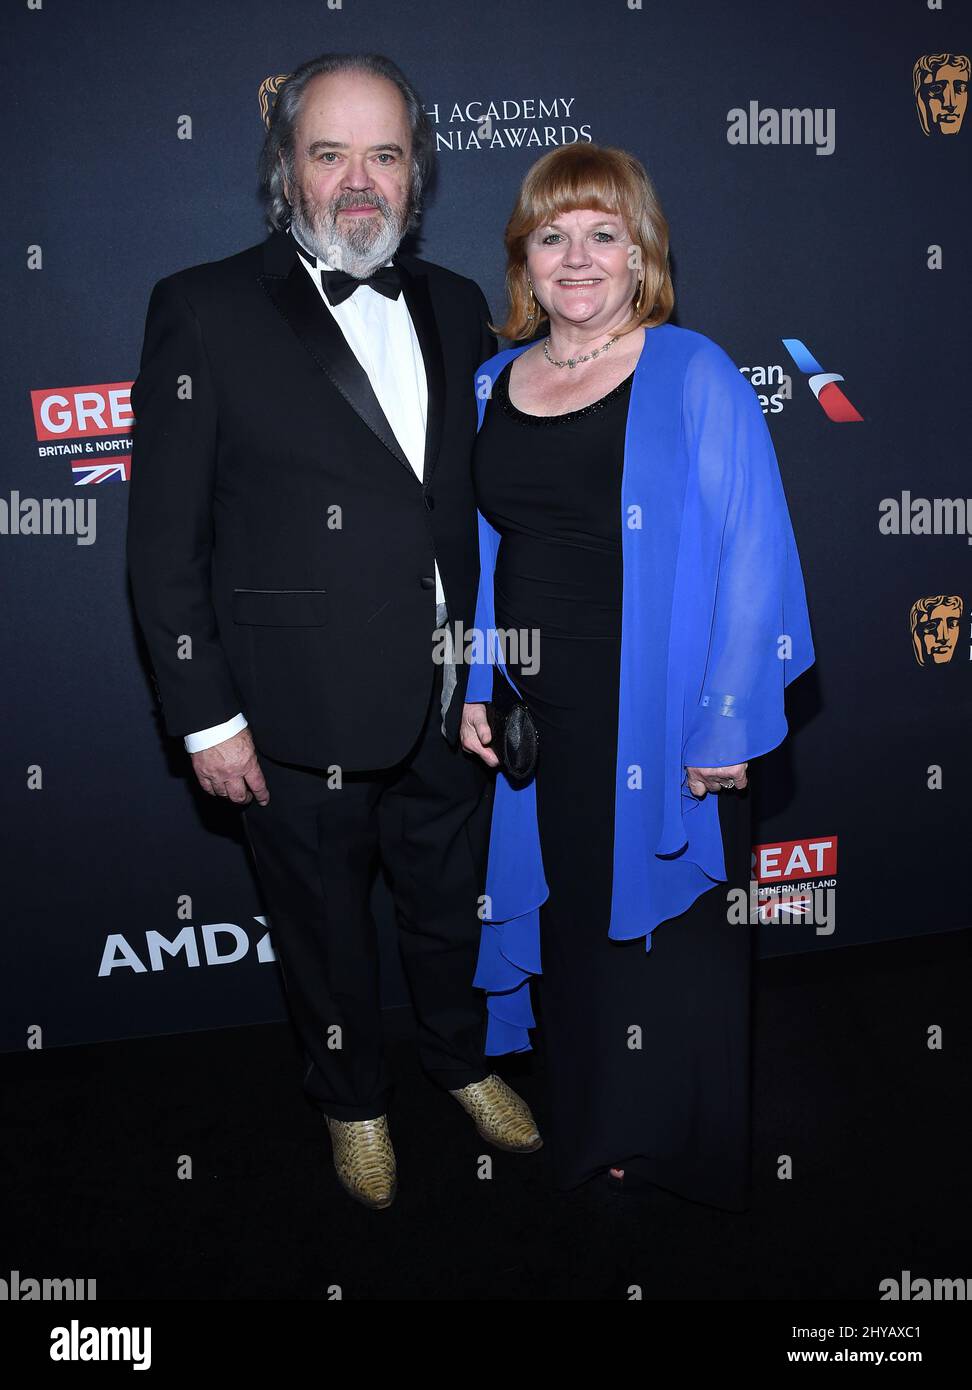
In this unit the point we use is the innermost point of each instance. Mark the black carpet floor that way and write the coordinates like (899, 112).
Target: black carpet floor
(877, 1126)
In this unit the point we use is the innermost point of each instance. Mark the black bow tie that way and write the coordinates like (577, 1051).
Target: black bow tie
(338, 285)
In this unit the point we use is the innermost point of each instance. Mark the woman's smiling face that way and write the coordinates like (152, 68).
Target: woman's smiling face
(583, 268)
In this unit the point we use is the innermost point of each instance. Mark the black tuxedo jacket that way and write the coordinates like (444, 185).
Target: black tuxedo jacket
(280, 546)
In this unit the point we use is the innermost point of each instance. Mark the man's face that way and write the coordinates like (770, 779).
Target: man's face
(352, 165)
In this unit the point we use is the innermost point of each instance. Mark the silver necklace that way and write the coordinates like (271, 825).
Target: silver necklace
(573, 361)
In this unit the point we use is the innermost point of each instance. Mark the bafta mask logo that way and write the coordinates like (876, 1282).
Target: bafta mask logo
(935, 623)
(267, 95)
(941, 92)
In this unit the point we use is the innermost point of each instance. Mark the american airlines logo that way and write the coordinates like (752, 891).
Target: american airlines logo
(215, 943)
(823, 384)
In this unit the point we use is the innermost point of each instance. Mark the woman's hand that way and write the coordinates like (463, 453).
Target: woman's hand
(714, 779)
(474, 734)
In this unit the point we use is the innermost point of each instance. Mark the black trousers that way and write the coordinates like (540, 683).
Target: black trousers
(318, 849)
(676, 1110)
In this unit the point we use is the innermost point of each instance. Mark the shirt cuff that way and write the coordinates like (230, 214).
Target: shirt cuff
(207, 738)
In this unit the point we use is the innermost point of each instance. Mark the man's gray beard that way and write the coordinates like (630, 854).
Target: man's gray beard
(358, 250)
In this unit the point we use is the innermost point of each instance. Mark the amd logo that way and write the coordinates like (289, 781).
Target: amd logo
(223, 943)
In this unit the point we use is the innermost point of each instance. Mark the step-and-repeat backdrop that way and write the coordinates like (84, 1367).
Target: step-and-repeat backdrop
(813, 160)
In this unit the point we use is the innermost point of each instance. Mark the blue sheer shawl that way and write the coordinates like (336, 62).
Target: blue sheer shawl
(714, 626)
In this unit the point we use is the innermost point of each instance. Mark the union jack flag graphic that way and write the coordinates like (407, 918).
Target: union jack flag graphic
(793, 905)
(118, 470)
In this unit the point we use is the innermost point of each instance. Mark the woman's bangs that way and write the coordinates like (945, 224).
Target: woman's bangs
(570, 189)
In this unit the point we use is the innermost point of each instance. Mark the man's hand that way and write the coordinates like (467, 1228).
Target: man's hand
(474, 734)
(714, 779)
(231, 769)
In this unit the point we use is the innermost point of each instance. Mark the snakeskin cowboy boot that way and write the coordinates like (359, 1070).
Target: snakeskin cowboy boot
(502, 1117)
(364, 1160)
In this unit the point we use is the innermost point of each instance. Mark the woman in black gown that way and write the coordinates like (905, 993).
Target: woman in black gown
(675, 1111)
(647, 1051)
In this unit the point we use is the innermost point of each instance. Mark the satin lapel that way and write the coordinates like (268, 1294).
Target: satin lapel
(415, 288)
(289, 287)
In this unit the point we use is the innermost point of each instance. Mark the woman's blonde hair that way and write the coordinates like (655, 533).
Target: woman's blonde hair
(606, 180)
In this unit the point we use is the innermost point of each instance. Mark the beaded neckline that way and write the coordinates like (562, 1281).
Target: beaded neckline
(500, 389)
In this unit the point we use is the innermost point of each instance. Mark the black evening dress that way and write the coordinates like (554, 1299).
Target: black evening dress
(675, 1111)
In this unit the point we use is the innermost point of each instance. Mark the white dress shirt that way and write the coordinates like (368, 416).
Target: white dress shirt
(380, 333)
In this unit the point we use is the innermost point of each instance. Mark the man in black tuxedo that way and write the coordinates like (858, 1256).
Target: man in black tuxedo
(302, 526)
